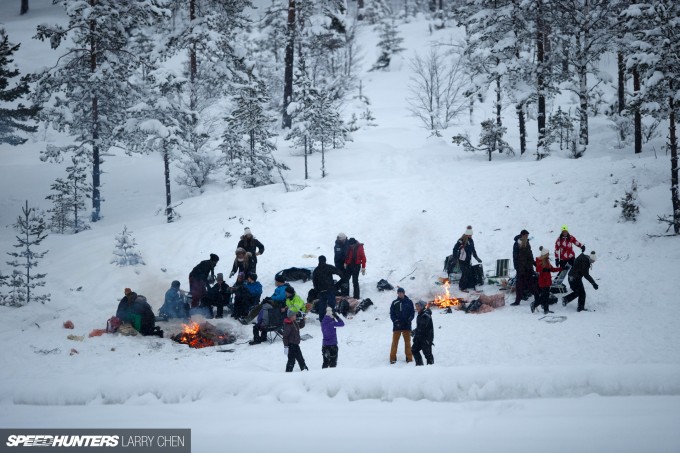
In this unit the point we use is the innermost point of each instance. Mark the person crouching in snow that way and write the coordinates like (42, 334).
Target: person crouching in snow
(329, 345)
(544, 268)
(424, 335)
(291, 342)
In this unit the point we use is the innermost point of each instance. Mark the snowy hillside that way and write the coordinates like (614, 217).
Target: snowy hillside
(605, 380)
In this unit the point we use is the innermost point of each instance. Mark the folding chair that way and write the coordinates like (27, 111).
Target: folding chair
(502, 267)
(558, 286)
(274, 332)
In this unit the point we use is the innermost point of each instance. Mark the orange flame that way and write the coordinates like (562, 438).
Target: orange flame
(191, 335)
(446, 300)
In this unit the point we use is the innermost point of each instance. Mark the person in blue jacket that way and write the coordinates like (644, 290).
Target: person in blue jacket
(401, 314)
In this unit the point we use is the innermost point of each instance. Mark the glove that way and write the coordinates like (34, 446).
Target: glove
(478, 260)
(595, 286)
(583, 248)
(231, 274)
(363, 271)
(285, 350)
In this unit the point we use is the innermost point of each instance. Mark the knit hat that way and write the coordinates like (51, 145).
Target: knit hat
(174, 284)
(240, 250)
(342, 236)
(214, 257)
(593, 256)
(401, 290)
(290, 290)
(329, 311)
(322, 259)
(564, 228)
(220, 277)
(523, 232)
(252, 276)
(291, 313)
(279, 278)
(246, 231)
(127, 291)
(468, 231)
(544, 251)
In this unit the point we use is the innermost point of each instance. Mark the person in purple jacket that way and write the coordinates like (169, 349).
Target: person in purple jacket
(329, 346)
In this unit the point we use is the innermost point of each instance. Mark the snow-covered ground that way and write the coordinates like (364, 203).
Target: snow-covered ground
(607, 380)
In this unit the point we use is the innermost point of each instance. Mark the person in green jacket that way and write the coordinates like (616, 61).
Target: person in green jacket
(293, 301)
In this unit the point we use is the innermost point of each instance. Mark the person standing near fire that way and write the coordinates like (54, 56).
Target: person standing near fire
(340, 254)
(401, 314)
(423, 340)
(199, 278)
(355, 262)
(252, 246)
(463, 251)
(544, 268)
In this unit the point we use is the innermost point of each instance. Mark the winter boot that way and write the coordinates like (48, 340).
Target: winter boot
(533, 306)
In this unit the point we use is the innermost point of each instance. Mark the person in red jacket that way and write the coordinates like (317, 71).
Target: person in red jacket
(564, 250)
(544, 268)
(355, 262)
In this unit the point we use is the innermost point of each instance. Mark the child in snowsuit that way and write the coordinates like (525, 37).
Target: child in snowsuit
(424, 335)
(291, 343)
(329, 348)
(544, 268)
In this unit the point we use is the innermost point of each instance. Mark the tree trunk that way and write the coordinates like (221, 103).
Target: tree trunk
(360, 7)
(522, 128)
(306, 170)
(96, 197)
(24, 7)
(622, 82)
(540, 81)
(251, 137)
(583, 105)
(193, 64)
(673, 145)
(288, 69)
(499, 120)
(638, 116)
(168, 196)
(323, 159)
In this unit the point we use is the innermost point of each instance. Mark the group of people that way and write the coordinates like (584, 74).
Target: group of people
(534, 275)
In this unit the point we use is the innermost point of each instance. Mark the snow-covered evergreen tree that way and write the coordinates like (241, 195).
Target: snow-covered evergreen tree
(31, 230)
(13, 118)
(249, 163)
(490, 139)
(374, 11)
(560, 129)
(87, 91)
(68, 199)
(125, 253)
(390, 43)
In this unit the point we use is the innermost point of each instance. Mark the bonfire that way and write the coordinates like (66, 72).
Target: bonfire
(446, 300)
(202, 335)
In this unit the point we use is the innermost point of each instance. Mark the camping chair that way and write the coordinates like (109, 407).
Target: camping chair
(502, 267)
(274, 332)
(558, 285)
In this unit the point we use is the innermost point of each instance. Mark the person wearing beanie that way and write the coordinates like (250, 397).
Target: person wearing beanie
(253, 292)
(401, 314)
(293, 301)
(291, 342)
(322, 280)
(578, 272)
(544, 268)
(523, 260)
(218, 296)
(174, 305)
(278, 297)
(355, 262)
(340, 254)
(252, 246)
(463, 252)
(564, 250)
(199, 277)
(423, 340)
(329, 345)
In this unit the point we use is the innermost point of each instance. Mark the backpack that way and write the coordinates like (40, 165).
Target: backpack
(384, 285)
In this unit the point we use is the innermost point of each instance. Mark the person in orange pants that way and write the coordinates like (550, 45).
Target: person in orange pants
(401, 314)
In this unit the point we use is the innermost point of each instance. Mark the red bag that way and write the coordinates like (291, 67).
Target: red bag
(113, 324)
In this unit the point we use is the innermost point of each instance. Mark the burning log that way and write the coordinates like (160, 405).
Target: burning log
(446, 300)
(202, 335)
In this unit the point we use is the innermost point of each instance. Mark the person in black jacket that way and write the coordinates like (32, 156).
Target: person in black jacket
(463, 251)
(578, 272)
(252, 246)
(219, 296)
(523, 260)
(424, 335)
(401, 314)
(322, 279)
(199, 277)
(340, 254)
(243, 264)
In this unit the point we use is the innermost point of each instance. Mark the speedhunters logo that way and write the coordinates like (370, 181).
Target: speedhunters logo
(128, 440)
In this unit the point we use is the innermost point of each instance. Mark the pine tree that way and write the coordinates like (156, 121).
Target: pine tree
(375, 11)
(490, 139)
(13, 118)
(390, 43)
(629, 204)
(125, 253)
(87, 91)
(68, 199)
(250, 163)
(560, 129)
(31, 228)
